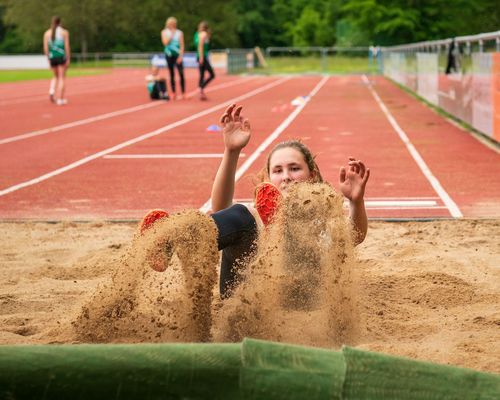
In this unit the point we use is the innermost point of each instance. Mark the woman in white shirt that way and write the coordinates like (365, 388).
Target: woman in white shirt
(173, 40)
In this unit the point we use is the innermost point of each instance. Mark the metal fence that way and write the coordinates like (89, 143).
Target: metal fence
(324, 60)
(460, 75)
(231, 60)
(240, 60)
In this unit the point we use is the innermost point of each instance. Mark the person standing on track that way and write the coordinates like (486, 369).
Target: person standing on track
(173, 40)
(56, 48)
(202, 43)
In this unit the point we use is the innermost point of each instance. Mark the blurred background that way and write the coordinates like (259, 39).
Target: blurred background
(134, 26)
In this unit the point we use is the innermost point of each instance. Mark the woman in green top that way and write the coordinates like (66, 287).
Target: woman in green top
(173, 40)
(56, 48)
(201, 41)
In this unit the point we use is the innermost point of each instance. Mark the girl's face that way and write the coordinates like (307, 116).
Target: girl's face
(287, 166)
(172, 25)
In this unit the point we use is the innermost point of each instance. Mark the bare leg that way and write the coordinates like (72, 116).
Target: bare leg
(53, 85)
(61, 69)
(61, 73)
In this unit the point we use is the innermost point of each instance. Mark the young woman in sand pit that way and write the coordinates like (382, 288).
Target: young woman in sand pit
(298, 264)
(56, 48)
(288, 163)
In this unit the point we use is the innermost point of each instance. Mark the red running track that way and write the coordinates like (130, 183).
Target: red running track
(75, 162)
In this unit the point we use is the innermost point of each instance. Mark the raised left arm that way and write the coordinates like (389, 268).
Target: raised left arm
(352, 180)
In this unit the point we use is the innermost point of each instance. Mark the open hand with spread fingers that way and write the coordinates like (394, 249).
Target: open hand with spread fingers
(353, 180)
(235, 128)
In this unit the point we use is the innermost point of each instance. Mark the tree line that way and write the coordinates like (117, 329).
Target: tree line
(131, 25)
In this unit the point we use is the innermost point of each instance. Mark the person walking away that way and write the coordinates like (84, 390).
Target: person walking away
(57, 49)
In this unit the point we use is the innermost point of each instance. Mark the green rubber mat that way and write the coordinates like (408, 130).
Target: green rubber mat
(253, 369)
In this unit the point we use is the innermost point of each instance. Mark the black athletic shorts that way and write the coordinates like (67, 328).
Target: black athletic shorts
(54, 62)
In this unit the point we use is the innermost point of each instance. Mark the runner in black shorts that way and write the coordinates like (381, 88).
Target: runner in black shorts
(201, 41)
(54, 62)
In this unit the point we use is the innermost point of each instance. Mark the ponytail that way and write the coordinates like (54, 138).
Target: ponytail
(55, 23)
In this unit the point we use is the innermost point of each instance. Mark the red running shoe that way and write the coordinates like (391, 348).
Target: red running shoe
(150, 218)
(159, 258)
(267, 199)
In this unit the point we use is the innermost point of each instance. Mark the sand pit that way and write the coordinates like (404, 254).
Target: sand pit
(426, 290)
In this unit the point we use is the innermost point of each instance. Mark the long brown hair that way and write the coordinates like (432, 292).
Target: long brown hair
(306, 153)
(203, 26)
(56, 21)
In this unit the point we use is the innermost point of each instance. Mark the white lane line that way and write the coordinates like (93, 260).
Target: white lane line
(447, 200)
(142, 137)
(406, 198)
(380, 205)
(407, 208)
(265, 144)
(109, 115)
(115, 83)
(401, 203)
(146, 156)
(77, 123)
(94, 89)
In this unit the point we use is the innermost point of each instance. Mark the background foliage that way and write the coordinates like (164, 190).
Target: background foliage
(131, 25)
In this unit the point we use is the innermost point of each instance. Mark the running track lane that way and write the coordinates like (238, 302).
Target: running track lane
(88, 97)
(30, 158)
(332, 175)
(94, 190)
(343, 120)
(467, 169)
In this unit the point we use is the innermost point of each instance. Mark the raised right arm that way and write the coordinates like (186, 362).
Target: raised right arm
(236, 133)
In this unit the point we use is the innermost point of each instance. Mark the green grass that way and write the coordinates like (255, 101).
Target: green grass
(92, 64)
(29, 75)
(331, 65)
